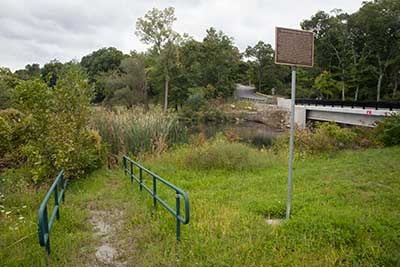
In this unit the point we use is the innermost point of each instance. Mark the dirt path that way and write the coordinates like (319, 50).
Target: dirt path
(106, 225)
(110, 213)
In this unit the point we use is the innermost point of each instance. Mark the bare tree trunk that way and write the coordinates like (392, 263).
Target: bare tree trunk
(166, 93)
(396, 85)
(356, 94)
(356, 65)
(378, 88)
(379, 85)
(259, 79)
(343, 97)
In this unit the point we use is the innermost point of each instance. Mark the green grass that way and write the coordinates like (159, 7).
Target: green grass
(346, 212)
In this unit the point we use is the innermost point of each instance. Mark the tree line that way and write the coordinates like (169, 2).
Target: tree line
(357, 57)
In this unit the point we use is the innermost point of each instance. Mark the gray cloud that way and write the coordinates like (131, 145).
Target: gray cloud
(41, 30)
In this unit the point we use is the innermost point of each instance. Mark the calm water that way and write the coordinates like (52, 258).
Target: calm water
(249, 132)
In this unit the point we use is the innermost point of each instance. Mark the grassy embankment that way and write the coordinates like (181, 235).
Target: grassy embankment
(345, 213)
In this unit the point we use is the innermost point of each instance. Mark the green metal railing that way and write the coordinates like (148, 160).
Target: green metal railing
(44, 225)
(153, 192)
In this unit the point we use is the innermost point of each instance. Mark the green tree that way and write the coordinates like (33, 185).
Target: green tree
(155, 28)
(326, 86)
(379, 26)
(214, 61)
(128, 85)
(51, 72)
(8, 82)
(333, 42)
(262, 55)
(99, 62)
(29, 72)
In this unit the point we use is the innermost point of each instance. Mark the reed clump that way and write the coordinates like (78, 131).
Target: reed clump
(134, 132)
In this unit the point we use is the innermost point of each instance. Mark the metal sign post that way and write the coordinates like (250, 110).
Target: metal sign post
(293, 48)
(291, 142)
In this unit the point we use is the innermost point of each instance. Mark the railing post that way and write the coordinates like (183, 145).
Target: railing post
(56, 206)
(46, 235)
(124, 164)
(154, 192)
(131, 171)
(141, 178)
(178, 213)
(63, 187)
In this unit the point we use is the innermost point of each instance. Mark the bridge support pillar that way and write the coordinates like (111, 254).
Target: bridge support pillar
(300, 117)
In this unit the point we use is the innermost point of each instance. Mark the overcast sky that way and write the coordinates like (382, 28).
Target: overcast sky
(36, 31)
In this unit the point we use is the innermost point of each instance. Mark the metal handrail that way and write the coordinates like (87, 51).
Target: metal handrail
(44, 226)
(153, 192)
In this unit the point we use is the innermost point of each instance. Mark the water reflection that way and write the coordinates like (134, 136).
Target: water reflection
(253, 133)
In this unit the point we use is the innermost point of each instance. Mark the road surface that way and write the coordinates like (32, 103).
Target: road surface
(249, 93)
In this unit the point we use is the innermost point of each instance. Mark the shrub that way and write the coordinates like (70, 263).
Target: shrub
(388, 130)
(5, 136)
(199, 107)
(219, 153)
(326, 137)
(55, 135)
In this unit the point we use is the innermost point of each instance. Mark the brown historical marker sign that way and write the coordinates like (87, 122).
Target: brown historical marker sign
(294, 47)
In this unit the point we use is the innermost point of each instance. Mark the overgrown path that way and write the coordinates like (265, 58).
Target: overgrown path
(108, 218)
(110, 204)
(345, 213)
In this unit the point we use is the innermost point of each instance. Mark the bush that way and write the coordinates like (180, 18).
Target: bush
(222, 154)
(199, 107)
(54, 133)
(5, 136)
(388, 130)
(325, 137)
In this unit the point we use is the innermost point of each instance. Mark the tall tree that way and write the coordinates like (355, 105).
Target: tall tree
(333, 52)
(155, 28)
(51, 72)
(99, 62)
(30, 71)
(8, 82)
(262, 55)
(128, 85)
(379, 26)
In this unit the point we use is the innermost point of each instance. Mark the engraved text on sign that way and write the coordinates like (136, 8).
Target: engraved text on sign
(294, 47)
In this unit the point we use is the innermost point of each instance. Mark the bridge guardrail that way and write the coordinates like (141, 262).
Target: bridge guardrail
(348, 103)
(44, 225)
(153, 192)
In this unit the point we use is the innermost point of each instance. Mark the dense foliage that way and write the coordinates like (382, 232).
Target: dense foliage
(357, 56)
(326, 138)
(388, 130)
(49, 130)
(361, 51)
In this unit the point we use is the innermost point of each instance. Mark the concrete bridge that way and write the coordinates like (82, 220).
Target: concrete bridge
(346, 113)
